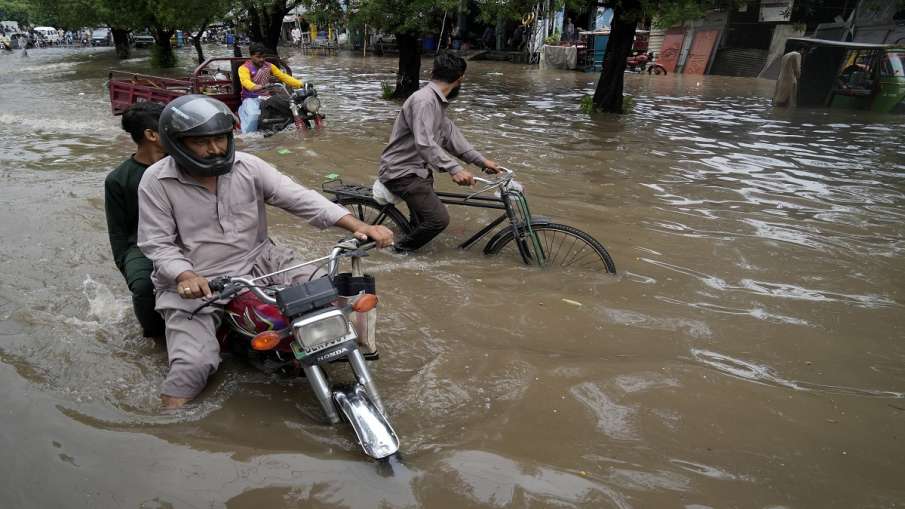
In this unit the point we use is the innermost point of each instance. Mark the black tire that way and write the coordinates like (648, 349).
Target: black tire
(371, 212)
(564, 247)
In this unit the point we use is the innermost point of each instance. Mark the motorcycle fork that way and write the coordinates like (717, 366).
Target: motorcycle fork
(357, 360)
(299, 121)
(321, 388)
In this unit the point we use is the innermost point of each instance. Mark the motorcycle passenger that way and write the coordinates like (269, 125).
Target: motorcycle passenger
(421, 137)
(254, 75)
(121, 207)
(202, 214)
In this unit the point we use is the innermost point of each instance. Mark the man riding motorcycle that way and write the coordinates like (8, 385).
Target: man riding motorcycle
(254, 75)
(202, 214)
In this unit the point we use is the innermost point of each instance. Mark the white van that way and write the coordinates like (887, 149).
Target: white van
(49, 34)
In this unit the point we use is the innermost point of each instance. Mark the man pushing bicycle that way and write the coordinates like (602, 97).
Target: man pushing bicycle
(422, 140)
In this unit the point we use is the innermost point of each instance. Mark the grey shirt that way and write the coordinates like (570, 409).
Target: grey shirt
(421, 138)
(183, 226)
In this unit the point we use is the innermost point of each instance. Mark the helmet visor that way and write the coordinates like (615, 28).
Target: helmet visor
(198, 112)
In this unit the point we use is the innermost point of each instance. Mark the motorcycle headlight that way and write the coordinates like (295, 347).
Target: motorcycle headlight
(312, 104)
(322, 329)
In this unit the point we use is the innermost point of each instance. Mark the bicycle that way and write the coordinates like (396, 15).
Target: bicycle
(537, 240)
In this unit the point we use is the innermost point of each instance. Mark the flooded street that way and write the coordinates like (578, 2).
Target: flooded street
(749, 354)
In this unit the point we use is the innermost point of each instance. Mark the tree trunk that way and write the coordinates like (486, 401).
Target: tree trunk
(407, 78)
(254, 25)
(121, 42)
(278, 10)
(608, 94)
(266, 24)
(162, 52)
(196, 40)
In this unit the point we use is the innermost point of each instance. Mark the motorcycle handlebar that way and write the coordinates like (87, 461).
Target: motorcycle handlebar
(226, 286)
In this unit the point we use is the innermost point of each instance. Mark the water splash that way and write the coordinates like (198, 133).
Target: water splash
(103, 305)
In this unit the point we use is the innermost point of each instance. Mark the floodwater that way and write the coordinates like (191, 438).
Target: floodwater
(749, 353)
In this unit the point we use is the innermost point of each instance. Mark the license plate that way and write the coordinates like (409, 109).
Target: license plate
(297, 350)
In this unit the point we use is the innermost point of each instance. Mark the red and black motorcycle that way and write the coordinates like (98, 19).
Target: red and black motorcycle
(644, 62)
(300, 107)
(305, 327)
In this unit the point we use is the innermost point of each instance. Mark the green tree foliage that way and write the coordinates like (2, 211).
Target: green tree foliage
(162, 17)
(20, 11)
(324, 12)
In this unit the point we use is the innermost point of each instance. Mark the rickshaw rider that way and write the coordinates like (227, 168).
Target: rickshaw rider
(254, 75)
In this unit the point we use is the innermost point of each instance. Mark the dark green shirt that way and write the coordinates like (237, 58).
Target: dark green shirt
(121, 205)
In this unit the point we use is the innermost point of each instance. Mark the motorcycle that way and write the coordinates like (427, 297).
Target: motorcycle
(306, 326)
(300, 107)
(644, 61)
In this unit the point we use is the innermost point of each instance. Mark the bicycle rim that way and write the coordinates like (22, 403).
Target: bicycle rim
(562, 247)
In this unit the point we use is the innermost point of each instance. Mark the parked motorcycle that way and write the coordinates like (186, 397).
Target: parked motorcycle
(308, 325)
(644, 61)
(300, 107)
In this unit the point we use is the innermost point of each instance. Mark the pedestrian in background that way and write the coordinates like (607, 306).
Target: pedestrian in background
(786, 93)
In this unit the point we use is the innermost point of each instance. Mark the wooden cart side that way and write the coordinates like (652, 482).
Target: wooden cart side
(127, 88)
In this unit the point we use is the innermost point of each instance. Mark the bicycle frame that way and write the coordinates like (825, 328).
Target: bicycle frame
(519, 225)
(502, 203)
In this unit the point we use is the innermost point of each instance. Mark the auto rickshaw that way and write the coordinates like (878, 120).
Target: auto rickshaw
(850, 75)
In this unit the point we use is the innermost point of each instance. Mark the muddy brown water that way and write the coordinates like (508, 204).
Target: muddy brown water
(749, 354)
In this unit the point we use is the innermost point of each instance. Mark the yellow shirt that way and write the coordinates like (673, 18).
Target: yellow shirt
(248, 84)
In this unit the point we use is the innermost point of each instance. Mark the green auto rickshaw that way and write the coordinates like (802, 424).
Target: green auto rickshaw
(850, 75)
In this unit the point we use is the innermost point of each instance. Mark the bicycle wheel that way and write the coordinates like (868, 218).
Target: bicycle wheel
(563, 246)
(371, 212)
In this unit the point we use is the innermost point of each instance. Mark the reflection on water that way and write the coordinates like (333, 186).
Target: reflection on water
(767, 244)
(763, 374)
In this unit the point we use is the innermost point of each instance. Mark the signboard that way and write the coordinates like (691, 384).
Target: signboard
(772, 11)
(669, 51)
(701, 51)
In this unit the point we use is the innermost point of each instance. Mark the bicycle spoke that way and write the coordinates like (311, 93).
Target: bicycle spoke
(558, 249)
(581, 248)
(580, 254)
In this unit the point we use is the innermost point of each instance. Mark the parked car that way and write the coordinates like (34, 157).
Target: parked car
(142, 39)
(101, 37)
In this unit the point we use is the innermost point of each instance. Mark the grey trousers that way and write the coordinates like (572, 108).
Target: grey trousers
(428, 214)
(192, 347)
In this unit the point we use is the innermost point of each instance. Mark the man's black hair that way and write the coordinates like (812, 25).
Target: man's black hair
(448, 67)
(257, 47)
(141, 116)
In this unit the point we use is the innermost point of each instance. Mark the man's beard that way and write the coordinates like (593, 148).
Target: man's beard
(453, 93)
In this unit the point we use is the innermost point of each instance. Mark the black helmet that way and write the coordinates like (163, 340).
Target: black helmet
(197, 115)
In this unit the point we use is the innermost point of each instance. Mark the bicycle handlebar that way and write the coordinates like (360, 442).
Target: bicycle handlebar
(492, 183)
(508, 174)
